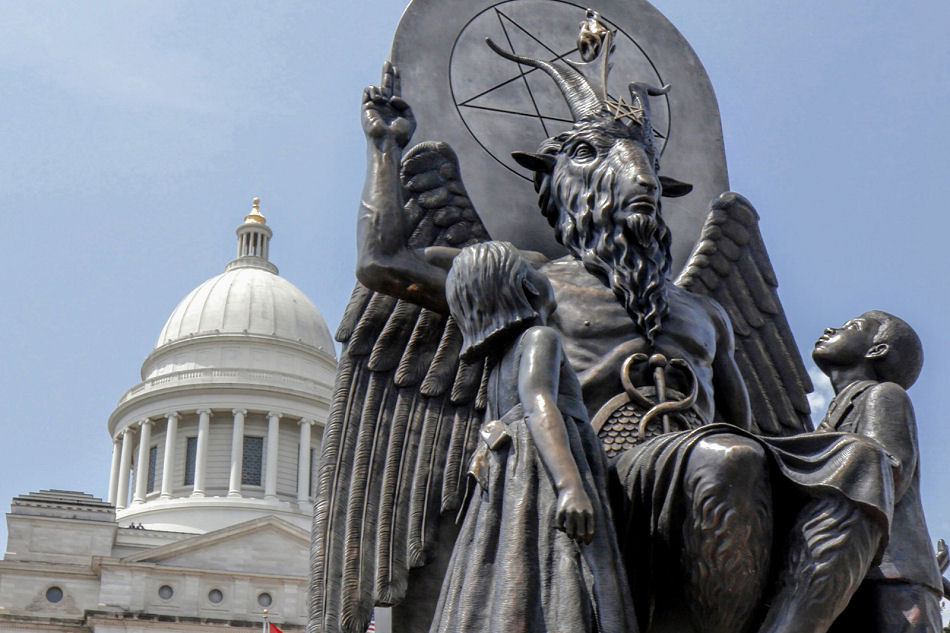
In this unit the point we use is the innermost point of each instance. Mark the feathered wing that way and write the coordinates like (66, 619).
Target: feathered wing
(403, 421)
(730, 264)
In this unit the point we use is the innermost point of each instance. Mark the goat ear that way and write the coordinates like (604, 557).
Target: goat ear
(673, 188)
(543, 163)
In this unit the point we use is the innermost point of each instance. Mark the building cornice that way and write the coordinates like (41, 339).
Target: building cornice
(218, 338)
(310, 393)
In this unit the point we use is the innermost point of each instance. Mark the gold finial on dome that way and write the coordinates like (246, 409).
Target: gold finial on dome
(255, 214)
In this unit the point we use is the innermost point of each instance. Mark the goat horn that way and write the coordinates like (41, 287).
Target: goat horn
(577, 91)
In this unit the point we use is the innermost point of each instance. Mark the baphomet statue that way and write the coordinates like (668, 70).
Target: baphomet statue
(728, 515)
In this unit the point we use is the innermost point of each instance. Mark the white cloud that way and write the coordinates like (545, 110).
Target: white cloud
(820, 398)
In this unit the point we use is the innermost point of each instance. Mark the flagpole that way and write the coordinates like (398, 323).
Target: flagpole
(264, 622)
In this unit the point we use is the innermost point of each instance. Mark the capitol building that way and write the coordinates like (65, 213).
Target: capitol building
(207, 522)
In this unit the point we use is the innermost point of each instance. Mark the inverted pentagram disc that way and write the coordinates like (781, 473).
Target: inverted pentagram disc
(486, 107)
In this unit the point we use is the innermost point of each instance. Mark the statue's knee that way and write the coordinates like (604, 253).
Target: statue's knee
(730, 462)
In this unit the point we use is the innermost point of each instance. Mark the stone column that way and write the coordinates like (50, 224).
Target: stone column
(114, 470)
(125, 465)
(141, 472)
(270, 462)
(201, 452)
(237, 453)
(168, 463)
(303, 463)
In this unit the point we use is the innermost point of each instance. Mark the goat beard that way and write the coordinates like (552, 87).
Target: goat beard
(632, 258)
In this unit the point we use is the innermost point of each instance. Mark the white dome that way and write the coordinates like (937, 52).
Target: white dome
(241, 371)
(248, 300)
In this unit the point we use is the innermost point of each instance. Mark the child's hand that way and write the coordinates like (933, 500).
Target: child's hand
(575, 514)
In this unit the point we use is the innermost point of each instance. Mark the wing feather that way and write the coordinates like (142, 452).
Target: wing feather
(731, 265)
(421, 475)
(467, 381)
(762, 408)
(392, 563)
(756, 287)
(339, 441)
(744, 298)
(402, 423)
(419, 354)
(436, 483)
(391, 345)
(362, 506)
(441, 374)
(371, 323)
(453, 483)
(353, 312)
(706, 274)
(740, 326)
(791, 370)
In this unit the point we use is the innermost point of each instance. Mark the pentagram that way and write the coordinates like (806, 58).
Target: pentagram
(507, 107)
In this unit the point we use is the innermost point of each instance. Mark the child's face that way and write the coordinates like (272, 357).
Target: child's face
(845, 345)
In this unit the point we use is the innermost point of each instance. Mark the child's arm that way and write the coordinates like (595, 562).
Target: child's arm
(889, 419)
(537, 388)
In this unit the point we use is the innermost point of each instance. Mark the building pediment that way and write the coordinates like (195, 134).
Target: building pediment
(267, 545)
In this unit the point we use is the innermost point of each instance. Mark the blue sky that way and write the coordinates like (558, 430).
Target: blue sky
(136, 134)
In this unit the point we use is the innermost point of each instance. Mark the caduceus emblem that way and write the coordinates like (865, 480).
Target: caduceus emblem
(633, 409)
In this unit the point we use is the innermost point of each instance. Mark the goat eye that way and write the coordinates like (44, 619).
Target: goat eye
(583, 153)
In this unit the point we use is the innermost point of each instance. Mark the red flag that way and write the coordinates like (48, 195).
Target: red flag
(272, 628)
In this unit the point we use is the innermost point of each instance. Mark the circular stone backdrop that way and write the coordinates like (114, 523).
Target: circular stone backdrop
(486, 107)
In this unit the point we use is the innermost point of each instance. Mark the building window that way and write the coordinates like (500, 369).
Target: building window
(215, 596)
(191, 454)
(165, 592)
(264, 599)
(152, 458)
(253, 459)
(309, 472)
(54, 594)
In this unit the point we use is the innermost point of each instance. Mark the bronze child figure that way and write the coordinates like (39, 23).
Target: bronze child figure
(871, 360)
(536, 551)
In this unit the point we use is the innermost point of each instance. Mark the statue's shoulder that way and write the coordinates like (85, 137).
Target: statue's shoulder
(698, 302)
(887, 395)
(569, 271)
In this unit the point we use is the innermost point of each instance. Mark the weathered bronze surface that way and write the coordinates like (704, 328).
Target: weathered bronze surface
(482, 105)
(871, 360)
(729, 514)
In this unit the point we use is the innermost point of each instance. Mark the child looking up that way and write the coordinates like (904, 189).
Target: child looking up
(871, 360)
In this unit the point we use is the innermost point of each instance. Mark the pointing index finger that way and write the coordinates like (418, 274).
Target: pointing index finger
(387, 81)
(397, 82)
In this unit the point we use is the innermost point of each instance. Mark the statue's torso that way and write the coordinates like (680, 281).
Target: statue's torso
(598, 335)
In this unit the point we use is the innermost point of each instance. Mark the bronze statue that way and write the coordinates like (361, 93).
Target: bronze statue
(871, 360)
(694, 508)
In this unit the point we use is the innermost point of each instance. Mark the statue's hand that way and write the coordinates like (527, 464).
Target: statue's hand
(575, 514)
(386, 115)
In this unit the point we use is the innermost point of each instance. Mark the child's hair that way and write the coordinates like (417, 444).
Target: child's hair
(487, 292)
(905, 354)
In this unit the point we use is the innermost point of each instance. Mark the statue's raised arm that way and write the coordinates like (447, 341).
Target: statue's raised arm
(406, 201)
